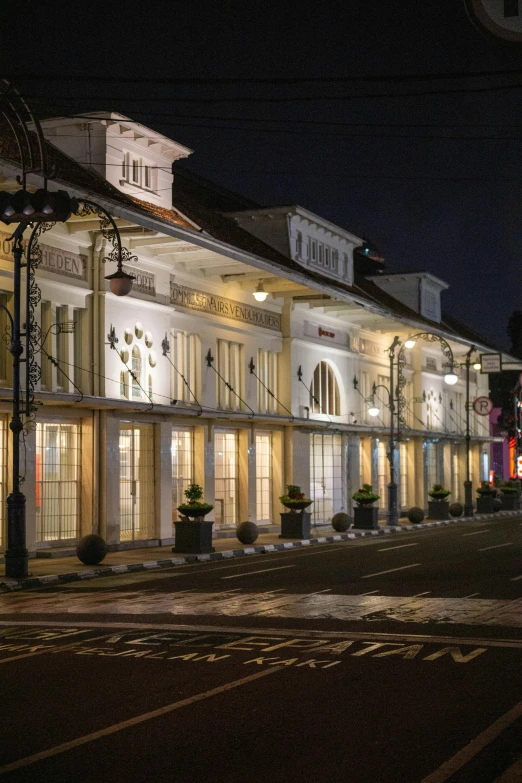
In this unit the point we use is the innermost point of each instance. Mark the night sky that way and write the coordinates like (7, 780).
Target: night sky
(449, 205)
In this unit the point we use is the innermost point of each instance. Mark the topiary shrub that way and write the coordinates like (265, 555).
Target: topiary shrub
(247, 532)
(341, 521)
(456, 509)
(415, 515)
(91, 549)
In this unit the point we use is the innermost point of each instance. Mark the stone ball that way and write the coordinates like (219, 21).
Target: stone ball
(456, 509)
(497, 504)
(247, 532)
(91, 549)
(415, 515)
(341, 521)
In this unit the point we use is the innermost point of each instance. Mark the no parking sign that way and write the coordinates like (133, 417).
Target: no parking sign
(500, 18)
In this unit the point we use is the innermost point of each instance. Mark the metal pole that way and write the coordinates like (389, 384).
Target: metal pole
(16, 556)
(392, 517)
(468, 498)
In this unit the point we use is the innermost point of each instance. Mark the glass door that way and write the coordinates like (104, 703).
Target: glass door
(263, 478)
(136, 481)
(182, 467)
(226, 460)
(57, 481)
(326, 484)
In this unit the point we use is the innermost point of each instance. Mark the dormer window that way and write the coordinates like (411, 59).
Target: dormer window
(138, 172)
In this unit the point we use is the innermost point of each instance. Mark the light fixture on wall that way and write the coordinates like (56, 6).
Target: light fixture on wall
(373, 410)
(260, 294)
(477, 366)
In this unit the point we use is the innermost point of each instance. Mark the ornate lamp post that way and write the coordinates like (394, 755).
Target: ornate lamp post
(39, 210)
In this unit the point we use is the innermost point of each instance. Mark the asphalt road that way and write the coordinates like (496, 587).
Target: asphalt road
(389, 660)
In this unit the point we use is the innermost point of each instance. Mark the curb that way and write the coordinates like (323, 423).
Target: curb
(11, 585)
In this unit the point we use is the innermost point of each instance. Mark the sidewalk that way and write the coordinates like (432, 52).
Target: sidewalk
(70, 569)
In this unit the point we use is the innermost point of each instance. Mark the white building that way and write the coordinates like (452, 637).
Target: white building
(190, 379)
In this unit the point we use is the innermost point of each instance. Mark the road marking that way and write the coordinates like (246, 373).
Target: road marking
(476, 533)
(516, 578)
(401, 546)
(471, 595)
(456, 762)
(371, 592)
(227, 629)
(391, 570)
(418, 595)
(262, 571)
(45, 754)
(513, 774)
(51, 648)
(496, 546)
(318, 592)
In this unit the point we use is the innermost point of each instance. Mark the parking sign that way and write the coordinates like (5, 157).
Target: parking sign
(499, 18)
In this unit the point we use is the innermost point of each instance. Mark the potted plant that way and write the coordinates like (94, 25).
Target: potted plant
(486, 495)
(295, 523)
(366, 515)
(193, 534)
(438, 506)
(510, 497)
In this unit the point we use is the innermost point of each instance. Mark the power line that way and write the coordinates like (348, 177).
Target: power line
(275, 80)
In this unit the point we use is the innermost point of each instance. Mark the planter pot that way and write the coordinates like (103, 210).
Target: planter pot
(366, 517)
(485, 504)
(510, 501)
(194, 538)
(298, 505)
(194, 513)
(295, 525)
(438, 509)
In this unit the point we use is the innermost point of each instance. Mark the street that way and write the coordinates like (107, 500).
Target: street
(383, 660)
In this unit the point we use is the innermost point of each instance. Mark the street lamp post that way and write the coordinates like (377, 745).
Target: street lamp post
(468, 486)
(39, 210)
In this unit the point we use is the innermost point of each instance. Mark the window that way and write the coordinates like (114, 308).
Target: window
(382, 473)
(57, 481)
(403, 451)
(146, 177)
(136, 372)
(267, 372)
(312, 254)
(62, 347)
(299, 245)
(456, 474)
(150, 385)
(326, 484)
(182, 467)
(430, 464)
(230, 365)
(327, 257)
(136, 171)
(124, 384)
(263, 477)
(324, 391)
(139, 172)
(335, 261)
(186, 357)
(364, 388)
(431, 363)
(226, 462)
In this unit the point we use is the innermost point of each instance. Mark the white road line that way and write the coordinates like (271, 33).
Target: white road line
(390, 570)
(474, 747)
(471, 595)
(513, 774)
(318, 592)
(516, 578)
(75, 743)
(371, 592)
(400, 546)
(496, 546)
(476, 533)
(262, 571)
(418, 595)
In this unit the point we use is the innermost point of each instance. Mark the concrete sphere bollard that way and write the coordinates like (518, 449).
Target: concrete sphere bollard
(415, 515)
(456, 509)
(341, 521)
(91, 550)
(247, 532)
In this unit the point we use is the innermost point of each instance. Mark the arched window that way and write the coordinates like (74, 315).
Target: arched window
(324, 391)
(136, 371)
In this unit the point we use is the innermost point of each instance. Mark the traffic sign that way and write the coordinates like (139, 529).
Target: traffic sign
(483, 406)
(499, 18)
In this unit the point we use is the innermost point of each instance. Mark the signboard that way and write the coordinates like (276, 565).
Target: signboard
(499, 18)
(63, 262)
(144, 282)
(490, 362)
(483, 406)
(223, 308)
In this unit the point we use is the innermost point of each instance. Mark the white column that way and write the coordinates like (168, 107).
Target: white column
(109, 478)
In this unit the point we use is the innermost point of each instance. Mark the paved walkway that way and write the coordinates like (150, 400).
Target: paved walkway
(68, 569)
